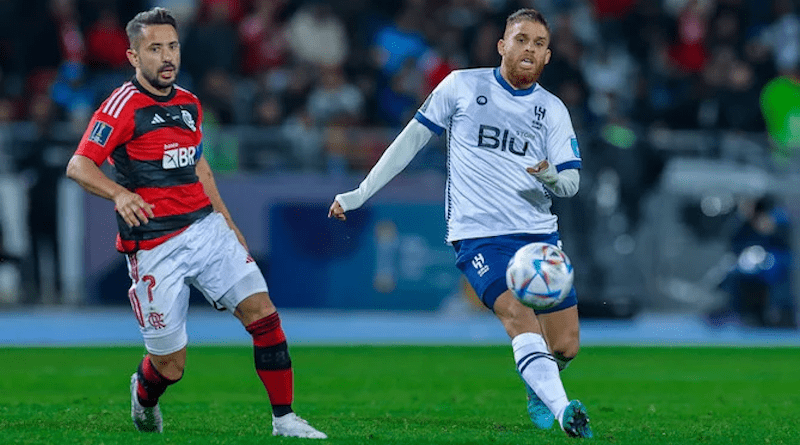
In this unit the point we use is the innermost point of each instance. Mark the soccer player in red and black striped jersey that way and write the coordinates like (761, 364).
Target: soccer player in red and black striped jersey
(174, 227)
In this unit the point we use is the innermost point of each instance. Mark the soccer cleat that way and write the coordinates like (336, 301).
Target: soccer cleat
(291, 425)
(575, 420)
(145, 419)
(539, 412)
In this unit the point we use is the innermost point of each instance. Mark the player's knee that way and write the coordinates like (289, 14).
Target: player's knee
(255, 307)
(565, 350)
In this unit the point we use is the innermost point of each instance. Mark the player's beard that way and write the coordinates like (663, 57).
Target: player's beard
(519, 77)
(155, 78)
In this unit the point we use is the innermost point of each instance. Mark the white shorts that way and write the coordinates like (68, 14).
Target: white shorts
(206, 255)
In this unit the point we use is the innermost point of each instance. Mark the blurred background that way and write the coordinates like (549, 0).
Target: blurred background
(687, 112)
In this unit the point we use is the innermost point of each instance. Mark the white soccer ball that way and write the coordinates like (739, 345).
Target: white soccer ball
(540, 275)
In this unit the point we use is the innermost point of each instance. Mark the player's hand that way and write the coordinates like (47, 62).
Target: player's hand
(336, 211)
(133, 209)
(538, 168)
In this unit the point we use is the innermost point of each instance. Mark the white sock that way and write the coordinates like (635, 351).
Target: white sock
(538, 367)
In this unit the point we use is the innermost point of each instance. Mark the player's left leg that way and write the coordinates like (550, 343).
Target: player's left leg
(562, 332)
(273, 364)
(533, 359)
(537, 366)
(232, 279)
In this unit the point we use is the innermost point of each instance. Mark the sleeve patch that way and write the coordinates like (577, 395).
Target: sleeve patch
(100, 133)
(575, 150)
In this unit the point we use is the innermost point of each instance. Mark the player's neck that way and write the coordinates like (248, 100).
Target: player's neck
(150, 88)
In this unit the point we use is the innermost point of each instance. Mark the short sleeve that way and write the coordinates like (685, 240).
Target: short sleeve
(103, 134)
(437, 109)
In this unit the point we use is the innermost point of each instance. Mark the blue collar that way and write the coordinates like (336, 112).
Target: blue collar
(509, 88)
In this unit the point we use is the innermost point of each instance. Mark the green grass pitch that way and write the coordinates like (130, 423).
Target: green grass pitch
(408, 395)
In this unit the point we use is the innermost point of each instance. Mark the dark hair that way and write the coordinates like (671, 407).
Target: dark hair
(527, 14)
(155, 16)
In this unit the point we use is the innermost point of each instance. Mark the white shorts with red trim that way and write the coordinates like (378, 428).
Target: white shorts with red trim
(208, 256)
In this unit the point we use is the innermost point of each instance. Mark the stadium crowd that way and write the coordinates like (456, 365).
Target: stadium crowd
(308, 64)
(324, 86)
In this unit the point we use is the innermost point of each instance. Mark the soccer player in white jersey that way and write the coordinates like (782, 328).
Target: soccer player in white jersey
(511, 146)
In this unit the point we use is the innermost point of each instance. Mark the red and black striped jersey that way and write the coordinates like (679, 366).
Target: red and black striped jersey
(153, 142)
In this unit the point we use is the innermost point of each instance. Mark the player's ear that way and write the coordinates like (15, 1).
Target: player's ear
(501, 47)
(547, 55)
(133, 58)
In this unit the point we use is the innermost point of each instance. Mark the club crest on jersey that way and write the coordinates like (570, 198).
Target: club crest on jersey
(100, 133)
(539, 112)
(188, 120)
(179, 157)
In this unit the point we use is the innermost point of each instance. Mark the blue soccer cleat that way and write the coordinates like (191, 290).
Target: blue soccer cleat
(575, 420)
(539, 412)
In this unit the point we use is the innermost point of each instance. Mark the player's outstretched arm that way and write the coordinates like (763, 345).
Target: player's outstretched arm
(563, 184)
(133, 209)
(396, 157)
(206, 177)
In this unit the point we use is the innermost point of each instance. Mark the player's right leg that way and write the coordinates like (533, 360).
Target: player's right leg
(561, 330)
(148, 383)
(537, 366)
(160, 301)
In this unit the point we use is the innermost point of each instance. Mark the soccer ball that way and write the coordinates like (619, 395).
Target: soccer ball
(540, 275)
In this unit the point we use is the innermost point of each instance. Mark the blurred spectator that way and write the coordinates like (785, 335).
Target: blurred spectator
(268, 111)
(783, 36)
(234, 9)
(780, 106)
(400, 42)
(609, 71)
(447, 55)
(55, 36)
(262, 35)
(759, 286)
(401, 95)
(564, 78)
(217, 95)
(307, 143)
(688, 51)
(483, 45)
(42, 163)
(106, 42)
(72, 94)
(212, 43)
(739, 99)
(317, 36)
(334, 100)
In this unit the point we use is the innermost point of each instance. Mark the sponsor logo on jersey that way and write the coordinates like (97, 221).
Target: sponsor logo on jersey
(100, 133)
(157, 119)
(178, 157)
(494, 138)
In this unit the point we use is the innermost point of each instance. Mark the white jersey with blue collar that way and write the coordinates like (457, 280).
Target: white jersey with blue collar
(493, 133)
